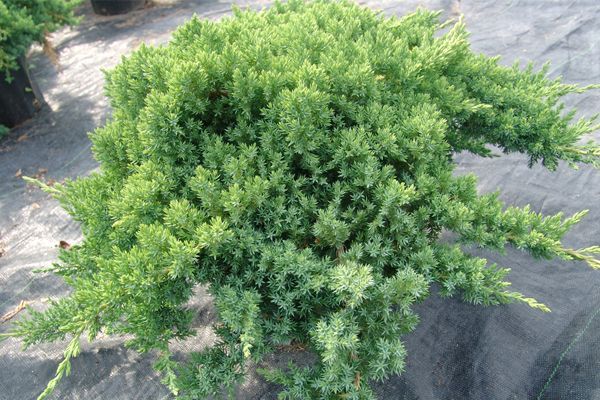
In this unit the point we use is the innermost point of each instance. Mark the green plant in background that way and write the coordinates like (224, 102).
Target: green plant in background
(23, 22)
(3, 131)
(299, 162)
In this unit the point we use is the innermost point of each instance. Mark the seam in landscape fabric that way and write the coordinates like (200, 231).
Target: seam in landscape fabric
(565, 352)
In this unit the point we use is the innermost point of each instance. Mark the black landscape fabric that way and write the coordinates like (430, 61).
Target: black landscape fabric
(458, 351)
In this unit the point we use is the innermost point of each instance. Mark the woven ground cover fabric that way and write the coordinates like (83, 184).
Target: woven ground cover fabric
(458, 350)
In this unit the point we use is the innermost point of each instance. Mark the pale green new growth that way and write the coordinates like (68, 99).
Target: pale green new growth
(298, 161)
(64, 368)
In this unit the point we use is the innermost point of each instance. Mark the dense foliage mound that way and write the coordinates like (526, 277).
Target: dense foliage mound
(298, 162)
(23, 22)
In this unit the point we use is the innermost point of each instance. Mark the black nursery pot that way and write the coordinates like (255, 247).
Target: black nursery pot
(19, 99)
(113, 7)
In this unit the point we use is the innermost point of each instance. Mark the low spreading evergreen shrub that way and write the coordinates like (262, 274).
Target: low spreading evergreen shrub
(299, 163)
(23, 22)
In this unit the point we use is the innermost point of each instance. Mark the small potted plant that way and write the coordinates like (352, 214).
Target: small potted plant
(22, 23)
(114, 7)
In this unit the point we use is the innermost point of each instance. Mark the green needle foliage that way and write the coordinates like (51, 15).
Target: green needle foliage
(299, 163)
(23, 22)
